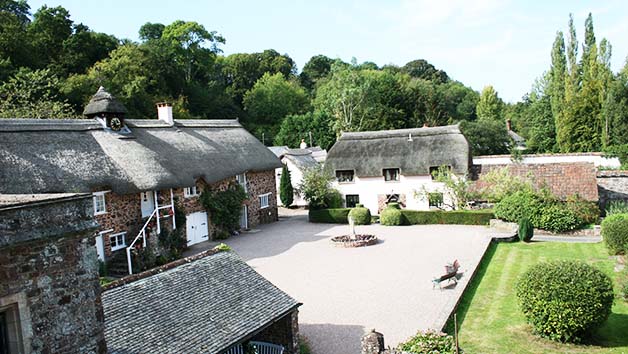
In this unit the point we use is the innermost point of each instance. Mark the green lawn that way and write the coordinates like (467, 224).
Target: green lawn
(491, 322)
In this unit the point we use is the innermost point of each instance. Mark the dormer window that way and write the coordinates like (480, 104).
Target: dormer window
(391, 174)
(344, 176)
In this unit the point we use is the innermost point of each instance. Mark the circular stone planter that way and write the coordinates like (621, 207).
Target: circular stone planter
(347, 241)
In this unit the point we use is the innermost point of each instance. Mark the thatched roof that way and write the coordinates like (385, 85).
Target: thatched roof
(56, 156)
(103, 102)
(368, 153)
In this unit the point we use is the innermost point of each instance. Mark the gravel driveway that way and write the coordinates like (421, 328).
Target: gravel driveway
(346, 292)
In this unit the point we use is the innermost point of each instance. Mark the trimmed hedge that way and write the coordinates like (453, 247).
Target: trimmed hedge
(565, 300)
(615, 233)
(329, 216)
(546, 212)
(526, 230)
(459, 217)
(391, 215)
(360, 215)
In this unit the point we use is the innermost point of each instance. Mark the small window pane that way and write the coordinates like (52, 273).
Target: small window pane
(99, 204)
(391, 174)
(344, 176)
(352, 200)
(264, 201)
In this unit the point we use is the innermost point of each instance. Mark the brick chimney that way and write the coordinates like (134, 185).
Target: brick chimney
(164, 112)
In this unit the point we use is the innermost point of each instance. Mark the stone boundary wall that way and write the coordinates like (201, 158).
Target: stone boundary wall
(612, 186)
(563, 179)
(284, 332)
(49, 276)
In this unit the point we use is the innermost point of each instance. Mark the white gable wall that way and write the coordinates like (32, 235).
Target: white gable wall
(368, 188)
(296, 176)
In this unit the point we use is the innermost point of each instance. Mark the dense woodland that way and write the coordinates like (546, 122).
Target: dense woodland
(50, 66)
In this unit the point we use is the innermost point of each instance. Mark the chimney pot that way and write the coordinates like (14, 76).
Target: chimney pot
(164, 112)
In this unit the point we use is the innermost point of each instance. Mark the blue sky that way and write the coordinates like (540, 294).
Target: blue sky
(486, 42)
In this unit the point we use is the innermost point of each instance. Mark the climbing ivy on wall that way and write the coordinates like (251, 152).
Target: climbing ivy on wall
(224, 206)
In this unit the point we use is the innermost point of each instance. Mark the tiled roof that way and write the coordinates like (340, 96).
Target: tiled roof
(202, 306)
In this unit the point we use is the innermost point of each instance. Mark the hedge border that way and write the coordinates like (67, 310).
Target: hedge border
(329, 216)
(411, 217)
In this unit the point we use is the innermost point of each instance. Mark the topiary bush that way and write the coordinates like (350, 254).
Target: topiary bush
(526, 230)
(565, 300)
(391, 215)
(615, 233)
(360, 215)
(429, 342)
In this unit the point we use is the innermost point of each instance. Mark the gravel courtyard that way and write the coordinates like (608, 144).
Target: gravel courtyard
(346, 292)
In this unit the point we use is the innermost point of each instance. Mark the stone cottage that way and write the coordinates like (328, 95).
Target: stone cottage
(137, 169)
(49, 289)
(377, 167)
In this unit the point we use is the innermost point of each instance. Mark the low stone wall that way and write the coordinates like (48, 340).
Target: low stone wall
(505, 226)
(612, 186)
(49, 276)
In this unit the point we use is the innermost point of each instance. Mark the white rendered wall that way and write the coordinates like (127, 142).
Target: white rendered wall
(368, 188)
(597, 159)
(296, 176)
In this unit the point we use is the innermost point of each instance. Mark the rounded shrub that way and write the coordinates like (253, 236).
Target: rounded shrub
(360, 215)
(565, 300)
(526, 230)
(430, 342)
(615, 233)
(557, 218)
(391, 215)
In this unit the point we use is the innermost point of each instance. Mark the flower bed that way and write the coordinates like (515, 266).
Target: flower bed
(348, 241)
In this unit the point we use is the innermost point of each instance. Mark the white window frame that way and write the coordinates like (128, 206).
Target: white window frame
(392, 180)
(242, 181)
(97, 195)
(118, 245)
(189, 192)
(261, 199)
(339, 173)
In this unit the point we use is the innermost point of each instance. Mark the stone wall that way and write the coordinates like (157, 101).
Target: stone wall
(49, 276)
(284, 332)
(123, 214)
(563, 179)
(612, 186)
(261, 183)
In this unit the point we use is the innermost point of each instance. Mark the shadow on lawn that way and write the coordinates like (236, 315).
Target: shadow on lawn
(469, 293)
(613, 333)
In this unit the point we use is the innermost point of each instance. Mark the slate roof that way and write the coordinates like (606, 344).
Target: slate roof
(302, 158)
(202, 306)
(368, 153)
(57, 156)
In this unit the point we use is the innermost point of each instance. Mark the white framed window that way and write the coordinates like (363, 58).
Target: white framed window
(100, 207)
(264, 200)
(241, 179)
(391, 174)
(117, 241)
(189, 192)
(344, 176)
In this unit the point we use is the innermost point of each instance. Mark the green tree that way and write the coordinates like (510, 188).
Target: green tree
(486, 137)
(151, 31)
(51, 27)
(317, 68)
(316, 187)
(616, 108)
(557, 77)
(489, 106)
(421, 69)
(299, 126)
(33, 94)
(15, 44)
(272, 98)
(572, 85)
(286, 192)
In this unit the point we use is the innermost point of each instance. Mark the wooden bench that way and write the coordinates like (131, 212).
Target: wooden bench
(451, 270)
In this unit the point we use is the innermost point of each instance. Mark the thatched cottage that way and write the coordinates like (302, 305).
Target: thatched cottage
(136, 169)
(377, 167)
(298, 162)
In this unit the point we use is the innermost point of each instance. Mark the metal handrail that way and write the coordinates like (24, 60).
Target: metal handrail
(142, 234)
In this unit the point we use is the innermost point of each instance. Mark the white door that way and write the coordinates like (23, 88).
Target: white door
(196, 228)
(100, 247)
(148, 203)
(244, 218)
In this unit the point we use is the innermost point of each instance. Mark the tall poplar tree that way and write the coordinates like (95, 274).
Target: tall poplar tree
(557, 77)
(565, 126)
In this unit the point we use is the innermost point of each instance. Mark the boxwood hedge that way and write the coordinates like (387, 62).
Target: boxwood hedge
(329, 216)
(459, 217)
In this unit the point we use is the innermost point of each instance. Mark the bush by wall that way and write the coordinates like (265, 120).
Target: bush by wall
(546, 212)
(329, 216)
(565, 300)
(391, 215)
(615, 233)
(459, 217)
(429, 342)
(360, 215)
(526, 230)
